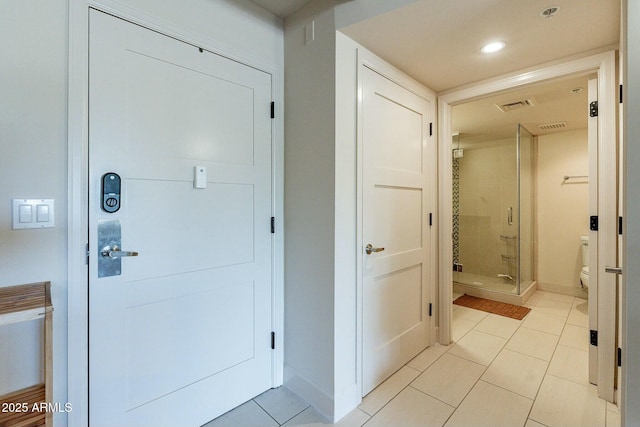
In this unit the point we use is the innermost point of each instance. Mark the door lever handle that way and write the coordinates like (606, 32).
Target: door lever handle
(614, 270)
(115, 252)
(369, 249)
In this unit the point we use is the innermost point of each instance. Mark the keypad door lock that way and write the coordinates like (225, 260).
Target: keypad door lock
(111, 185)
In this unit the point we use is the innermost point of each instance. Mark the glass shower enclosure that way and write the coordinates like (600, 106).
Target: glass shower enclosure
(493, 208)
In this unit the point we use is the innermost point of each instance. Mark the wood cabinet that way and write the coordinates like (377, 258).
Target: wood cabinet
(21, 303)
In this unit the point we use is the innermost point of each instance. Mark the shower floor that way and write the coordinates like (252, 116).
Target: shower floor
(490, 283)
(493, 288)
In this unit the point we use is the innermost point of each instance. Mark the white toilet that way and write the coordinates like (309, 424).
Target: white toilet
(584, 274)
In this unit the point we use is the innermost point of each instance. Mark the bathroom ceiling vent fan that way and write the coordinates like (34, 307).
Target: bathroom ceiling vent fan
(515, 105)
(553, 126)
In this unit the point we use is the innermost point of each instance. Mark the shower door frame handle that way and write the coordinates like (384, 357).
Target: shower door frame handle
(510, 215)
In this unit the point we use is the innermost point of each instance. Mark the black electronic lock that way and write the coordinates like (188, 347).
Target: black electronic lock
(110, 192)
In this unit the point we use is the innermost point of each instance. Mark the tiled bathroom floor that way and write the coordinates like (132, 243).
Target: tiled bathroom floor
(499, 372)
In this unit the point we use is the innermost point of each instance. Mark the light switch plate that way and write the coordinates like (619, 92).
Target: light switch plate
(33, 213)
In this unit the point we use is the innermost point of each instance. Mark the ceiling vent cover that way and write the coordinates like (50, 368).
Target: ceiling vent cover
(553, 126)
(515, 105)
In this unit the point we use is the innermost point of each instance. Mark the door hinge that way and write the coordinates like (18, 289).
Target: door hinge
(273, 110)
(273, 225)
(593, 109)
(273, 340)
(593, 223)
(620, 225)
(619, 357)
(430, 219)
(430, 309)
(86, 248)
(593, 338)
(431, 129)
(621, 94)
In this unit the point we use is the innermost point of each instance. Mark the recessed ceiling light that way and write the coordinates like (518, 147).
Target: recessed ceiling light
(550, 11)
(493, 47)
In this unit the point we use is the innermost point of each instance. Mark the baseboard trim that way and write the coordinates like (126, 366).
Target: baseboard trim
(309, 392)
(573, 291)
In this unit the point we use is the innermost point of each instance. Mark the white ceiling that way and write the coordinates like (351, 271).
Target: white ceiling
(281, 8)
(438, 42)
(553, 102)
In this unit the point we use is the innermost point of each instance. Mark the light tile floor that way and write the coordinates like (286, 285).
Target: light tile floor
(498, 372)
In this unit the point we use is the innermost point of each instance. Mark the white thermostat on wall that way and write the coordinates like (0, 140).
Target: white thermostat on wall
(33, 213)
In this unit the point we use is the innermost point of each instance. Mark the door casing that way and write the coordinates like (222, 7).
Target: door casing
(78, 205)
(604, 65)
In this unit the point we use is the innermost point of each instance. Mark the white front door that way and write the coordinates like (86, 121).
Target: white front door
(180, 333)
(398, 179)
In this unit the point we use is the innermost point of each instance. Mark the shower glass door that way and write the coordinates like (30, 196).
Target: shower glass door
(493, 211)
(486, 212)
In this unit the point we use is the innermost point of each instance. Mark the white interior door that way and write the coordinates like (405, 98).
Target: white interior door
(592, 130)
(603, 252)
(607, 249)
(398, 178)
(180, 333)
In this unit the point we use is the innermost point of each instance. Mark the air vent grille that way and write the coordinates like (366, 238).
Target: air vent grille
(553, 126)
(515, 105)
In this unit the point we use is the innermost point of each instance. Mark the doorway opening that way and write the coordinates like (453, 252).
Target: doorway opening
(493, 215)
(602, 286)
(520, 191)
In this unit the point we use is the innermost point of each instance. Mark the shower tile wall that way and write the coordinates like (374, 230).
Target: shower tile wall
(487, 187)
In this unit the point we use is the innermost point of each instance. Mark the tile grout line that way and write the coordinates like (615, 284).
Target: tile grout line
(474, 384)
(485, 368)
(409, 385)
(548, 365)
(278, 422)
(266, 412)
(433, 397)
(395, 395)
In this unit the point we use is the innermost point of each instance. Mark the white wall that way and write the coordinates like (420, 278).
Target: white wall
(310, 205)
(33, 141)
(347, 389)
(320, 204)
(354, 11)
(562, 209)
(321, 255)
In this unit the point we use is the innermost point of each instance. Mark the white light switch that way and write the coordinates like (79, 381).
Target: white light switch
(25, 214)
(33, 213)
(42, 213)
(199, 177)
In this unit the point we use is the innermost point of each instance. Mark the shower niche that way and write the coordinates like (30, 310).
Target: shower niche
(493, 215)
